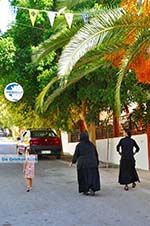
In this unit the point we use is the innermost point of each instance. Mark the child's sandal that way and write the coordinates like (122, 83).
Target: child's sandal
(28, 189)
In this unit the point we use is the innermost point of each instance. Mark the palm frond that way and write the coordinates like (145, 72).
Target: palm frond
(109, 25)
(45, 99)
(72, 81)
(40, 99)
(56, 41)
(87, 38)
(87, 64)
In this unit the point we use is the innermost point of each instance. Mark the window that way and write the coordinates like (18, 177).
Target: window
(36, 134)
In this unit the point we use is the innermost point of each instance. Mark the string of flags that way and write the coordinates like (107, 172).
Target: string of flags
(33, 13)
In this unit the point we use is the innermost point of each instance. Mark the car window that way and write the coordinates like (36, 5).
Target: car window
(37, 134)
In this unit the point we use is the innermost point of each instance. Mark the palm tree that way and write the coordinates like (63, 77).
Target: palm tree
(93, 59)
(109, 33)
(57, 42)
(106, 33)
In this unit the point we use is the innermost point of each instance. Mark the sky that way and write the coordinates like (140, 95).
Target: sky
(5, 15)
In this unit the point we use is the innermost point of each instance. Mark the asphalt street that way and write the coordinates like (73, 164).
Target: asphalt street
(55, 200)
(7, 146)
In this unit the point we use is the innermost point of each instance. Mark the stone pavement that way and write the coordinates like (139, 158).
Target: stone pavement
(55, 201)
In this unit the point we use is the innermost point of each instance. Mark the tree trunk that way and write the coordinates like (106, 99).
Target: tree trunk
(116, 125)
(83, 124)
(92, 132)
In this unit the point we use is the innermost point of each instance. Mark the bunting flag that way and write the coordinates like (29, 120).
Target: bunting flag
(33, 14)
(69, 18)
(85, 17)
(51, 16)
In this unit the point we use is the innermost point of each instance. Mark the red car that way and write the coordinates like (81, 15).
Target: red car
(41, 142)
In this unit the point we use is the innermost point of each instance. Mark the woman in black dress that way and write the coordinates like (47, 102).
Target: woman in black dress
(129, 148)
(86, 157)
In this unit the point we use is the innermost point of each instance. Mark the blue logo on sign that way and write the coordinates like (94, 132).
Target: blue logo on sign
(13, 92)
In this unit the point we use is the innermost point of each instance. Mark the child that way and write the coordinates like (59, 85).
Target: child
(28, 170)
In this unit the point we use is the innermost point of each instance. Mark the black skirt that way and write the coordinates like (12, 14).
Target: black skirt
(88, 178)
(128, 173)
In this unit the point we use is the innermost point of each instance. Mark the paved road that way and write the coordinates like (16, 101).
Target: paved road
(7, 146)
(55, 201)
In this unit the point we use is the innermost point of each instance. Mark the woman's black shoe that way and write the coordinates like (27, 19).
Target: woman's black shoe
(133, 185)
(92, 192)
(85, 193)
(126, 188)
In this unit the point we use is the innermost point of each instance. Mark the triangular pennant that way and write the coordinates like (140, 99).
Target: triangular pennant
(33, 14)
(85, 17)
(69, 18)
(51, 16)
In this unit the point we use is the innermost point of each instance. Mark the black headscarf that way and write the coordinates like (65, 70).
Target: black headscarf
(84, 137)
(128, 132)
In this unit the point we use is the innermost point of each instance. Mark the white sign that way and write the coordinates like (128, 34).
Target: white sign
(13, 92)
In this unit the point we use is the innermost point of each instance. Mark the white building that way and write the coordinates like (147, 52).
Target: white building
(107, 149)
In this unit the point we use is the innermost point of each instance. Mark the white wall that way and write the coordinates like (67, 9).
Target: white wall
(68, 148)
(107, 149)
